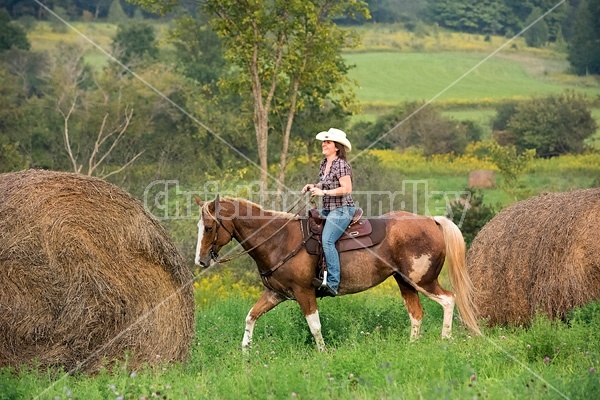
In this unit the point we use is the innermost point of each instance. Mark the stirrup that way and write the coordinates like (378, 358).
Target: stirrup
(318, 283)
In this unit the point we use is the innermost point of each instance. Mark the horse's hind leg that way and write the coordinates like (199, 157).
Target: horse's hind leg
(266, 302)
(444, 298)
(413, 305)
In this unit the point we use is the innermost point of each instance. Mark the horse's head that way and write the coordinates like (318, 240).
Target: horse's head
(215, 230)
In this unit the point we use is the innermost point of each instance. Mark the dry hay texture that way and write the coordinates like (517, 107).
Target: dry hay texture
(85, 274)
(538, 255)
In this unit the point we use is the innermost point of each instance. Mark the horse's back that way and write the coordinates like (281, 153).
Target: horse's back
(414, 236)
(410, 225)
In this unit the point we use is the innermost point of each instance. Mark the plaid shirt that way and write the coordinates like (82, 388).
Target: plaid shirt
(331, 181)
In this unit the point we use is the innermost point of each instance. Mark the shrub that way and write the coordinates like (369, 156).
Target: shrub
(554, 125)
(504, 113)
(415, 125)
(471, 214)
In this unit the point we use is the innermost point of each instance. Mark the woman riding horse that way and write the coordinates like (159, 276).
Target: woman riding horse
(335, 185)
(413, 252)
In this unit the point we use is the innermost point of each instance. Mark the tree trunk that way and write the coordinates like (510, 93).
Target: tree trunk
(261, 127)
(262, 107)
(286, 140)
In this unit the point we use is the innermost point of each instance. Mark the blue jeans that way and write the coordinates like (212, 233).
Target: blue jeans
(337, 221)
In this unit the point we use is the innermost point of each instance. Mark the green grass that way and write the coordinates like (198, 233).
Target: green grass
(394, 77)
(369, 357)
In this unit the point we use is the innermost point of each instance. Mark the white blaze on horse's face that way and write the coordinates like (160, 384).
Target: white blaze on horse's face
(200, 236)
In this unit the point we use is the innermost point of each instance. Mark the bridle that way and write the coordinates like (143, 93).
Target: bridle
(214, 254)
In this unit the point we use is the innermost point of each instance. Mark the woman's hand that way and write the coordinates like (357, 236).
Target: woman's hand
(315, 191)
(307, 187)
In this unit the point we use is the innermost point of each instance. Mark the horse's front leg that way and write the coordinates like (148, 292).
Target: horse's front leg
(308, 303)
(267, 301)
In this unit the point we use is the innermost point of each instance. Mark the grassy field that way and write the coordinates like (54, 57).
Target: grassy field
(369, 356)
(386, 77)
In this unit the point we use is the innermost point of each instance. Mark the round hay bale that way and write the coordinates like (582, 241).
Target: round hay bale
(482, 179)
(87, 274)
(541, 254)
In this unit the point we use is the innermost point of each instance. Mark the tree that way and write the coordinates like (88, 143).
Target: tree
(474, 16)
(493, 16)
(94, 114)
(553, 125)
(313, 117)
(584, 45)
(390, 11)
(284, 48)
(536, 35)
(198, 48)
(135, 40)
(12, 115)
(11, 34)
(504, 113)
(281, 48)
(116, 14)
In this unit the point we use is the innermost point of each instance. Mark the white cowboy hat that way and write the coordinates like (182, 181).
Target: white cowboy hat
(335, 135)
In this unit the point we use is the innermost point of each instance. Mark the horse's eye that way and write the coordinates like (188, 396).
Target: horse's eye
(208, 229)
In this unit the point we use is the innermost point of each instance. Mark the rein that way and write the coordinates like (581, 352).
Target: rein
(233, 257)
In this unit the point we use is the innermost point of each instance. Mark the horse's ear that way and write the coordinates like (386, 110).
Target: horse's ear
(198, 200)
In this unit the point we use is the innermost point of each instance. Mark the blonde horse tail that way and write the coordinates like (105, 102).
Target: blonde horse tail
(457, 268)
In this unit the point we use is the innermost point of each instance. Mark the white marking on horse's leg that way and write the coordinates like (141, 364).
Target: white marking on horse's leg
(248, 332)
(200, 234)
(447, 302)
(415, 324)
(314, 323)
(415, 328)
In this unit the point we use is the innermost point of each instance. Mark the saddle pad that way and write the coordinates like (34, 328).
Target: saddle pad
(313, 244)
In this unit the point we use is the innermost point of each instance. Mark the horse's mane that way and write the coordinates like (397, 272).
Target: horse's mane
(263, 211)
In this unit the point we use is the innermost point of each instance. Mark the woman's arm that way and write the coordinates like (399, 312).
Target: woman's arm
(345, 188)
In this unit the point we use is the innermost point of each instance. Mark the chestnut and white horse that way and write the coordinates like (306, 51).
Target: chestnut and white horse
(413, 252)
